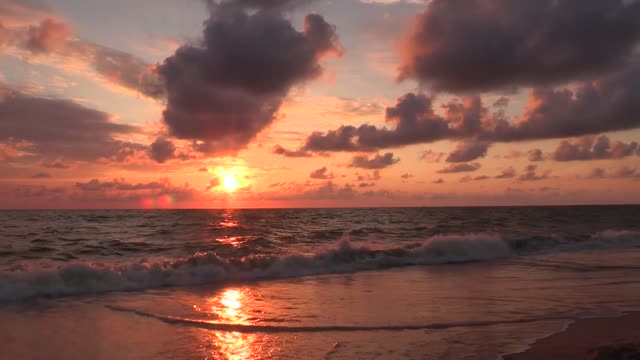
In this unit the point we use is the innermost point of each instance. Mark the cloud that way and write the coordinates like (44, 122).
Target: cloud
(467, 151)
(54, 36)
(162, 150)
(258, 4)
(213, 183)
(477, 178)
(530, 174)
(97, 193)
(432, 156)
(329, 190)
(414, 119)
(279, 150)
(116, 191)
(119, 184)
(592, 107)
(507, 173)
(535, 155)
(459, 45)
(41, 175)
(458, 168)
(406, 176)
(223, 91)
(590, 148)
(439, 181)
(22, 12)
(623, 172)
(120, 68)
(62, 129)
(376, 162)
(55, 165)
(502, 102)
(5, 36)
(50, 35)
(375, 176)
(321, 174)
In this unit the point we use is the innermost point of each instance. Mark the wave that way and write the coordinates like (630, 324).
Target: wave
(250, 328)
(29, 281)
(33, 281)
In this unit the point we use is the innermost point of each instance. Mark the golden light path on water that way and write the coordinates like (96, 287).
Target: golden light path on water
(233, 306)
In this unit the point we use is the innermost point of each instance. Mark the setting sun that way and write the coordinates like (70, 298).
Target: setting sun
(229, 183)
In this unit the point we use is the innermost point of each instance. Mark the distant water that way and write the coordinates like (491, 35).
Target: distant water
(61, 253)
(405, 283)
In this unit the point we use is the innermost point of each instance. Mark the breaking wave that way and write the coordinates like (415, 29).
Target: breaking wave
(27, 282)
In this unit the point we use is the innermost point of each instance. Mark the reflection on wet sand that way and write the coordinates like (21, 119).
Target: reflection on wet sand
(233, 306)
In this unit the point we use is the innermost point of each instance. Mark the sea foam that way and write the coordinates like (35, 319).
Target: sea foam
(31, 281)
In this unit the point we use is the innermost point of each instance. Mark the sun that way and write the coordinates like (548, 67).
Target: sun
(229, 183)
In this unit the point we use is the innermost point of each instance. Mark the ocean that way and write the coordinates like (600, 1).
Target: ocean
(379, 283)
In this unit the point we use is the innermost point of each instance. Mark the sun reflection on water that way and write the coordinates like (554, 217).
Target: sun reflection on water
(233, 306)
(234, 241)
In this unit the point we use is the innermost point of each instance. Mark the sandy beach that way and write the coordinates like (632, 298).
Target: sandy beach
(600, 338)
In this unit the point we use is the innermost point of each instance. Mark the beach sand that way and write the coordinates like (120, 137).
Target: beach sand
(602, 338)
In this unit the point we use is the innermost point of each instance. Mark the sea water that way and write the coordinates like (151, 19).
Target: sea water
(405, 283)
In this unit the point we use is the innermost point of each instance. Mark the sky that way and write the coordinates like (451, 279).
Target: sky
(318, 103)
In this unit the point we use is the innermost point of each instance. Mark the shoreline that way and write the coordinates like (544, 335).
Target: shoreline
(590, 338)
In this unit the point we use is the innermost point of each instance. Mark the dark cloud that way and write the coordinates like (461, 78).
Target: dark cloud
(329, 190)
(597, 173)
(223, 91)
(213, 183)
(502, 102)
(589, 148)
(121, 68)
(535, 155)
(608, 104)
(513, 154)
(414, 119)
(162, 150)
(290, 153)
(376, 162)
(41, 175)
(439, 181)
(321, 174)
(467, 151)
(462, 45)
(458, 168)
(120, 185)
(507, 173)
(55, 165)
(257, 4)
(96, 193)
(375, 176)
(61, 129)
(49, 35)
(531, 174)
(366, 185)
(477, 178)
(623, 172)
(5, 36)
(432, 156)
(117, 67)
(406, 176)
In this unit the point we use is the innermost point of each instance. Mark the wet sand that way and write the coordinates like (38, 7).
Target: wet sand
(602, 338)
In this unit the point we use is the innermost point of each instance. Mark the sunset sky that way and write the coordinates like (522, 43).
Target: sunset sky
(319, 103)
